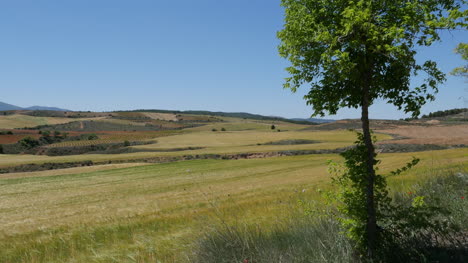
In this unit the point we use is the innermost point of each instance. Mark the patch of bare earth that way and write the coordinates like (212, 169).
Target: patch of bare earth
(435, 134)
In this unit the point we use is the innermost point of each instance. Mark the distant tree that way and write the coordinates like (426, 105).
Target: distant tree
(1, 149)
(56, 134)
(273, 127)
(92, 137)
(126, 143)
(9, 132)
(29, 142)
(353, 52)
(214, 130)
(462, 50)
(223, 129)
(46, 134)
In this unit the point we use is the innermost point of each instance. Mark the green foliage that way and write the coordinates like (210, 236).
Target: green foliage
(92, 136)
(273, 127)
(462, 50)
(223, 129)
(408, 166)
(444, 113)
(400, 223)
(29, 143)
(352, 193)
(126, 143)
(338, 47)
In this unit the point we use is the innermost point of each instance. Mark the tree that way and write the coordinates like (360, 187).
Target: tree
(29, 143)
(353, 52)
(273, 127)
(462, 50)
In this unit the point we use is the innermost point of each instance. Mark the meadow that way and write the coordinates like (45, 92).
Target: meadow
(155, 212)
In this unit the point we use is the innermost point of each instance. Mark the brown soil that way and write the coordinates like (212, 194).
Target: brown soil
(434, 134)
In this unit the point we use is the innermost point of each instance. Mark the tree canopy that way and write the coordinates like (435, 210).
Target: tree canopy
(340, 46)
(352, 52)
(462, 50)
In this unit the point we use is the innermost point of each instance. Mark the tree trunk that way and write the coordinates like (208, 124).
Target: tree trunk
(371, 226)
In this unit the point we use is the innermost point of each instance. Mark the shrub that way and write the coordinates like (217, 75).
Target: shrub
(29, 143)
(92, 137)
(213, 130)
(273, 127)
(223, 129)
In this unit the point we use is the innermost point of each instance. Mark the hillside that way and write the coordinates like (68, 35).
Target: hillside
(8, 107)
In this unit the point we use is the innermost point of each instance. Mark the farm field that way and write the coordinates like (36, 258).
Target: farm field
(152, 201)
(20, 121)
(154, 211)
(209, 142)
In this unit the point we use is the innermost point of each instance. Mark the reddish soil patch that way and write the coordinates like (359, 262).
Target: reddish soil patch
(18, 135)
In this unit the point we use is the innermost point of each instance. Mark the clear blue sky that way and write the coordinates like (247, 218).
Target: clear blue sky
(215, 55)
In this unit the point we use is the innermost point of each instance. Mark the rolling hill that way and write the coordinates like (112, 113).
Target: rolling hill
(6, 107)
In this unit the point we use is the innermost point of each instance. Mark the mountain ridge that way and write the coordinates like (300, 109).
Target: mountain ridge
(6, 107)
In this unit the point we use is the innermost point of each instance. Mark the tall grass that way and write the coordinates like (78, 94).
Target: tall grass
(297, 240)
(319, 239)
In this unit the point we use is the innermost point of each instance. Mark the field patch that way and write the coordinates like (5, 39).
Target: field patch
(160, 116)
(21, 121)
(433, 134)
(110, 214)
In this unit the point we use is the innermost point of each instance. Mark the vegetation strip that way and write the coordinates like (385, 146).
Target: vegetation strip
(383, 148)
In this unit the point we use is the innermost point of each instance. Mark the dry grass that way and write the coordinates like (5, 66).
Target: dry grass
(74, 170)
(445, 135)
(212, 143)
(152, 212)
(160, 116)
(21, 121)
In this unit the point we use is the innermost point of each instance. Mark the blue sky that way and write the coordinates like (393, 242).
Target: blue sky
(183, 55)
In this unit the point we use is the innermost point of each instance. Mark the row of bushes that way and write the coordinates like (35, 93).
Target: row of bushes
(444, 113)
(31, 145)
(102, 148)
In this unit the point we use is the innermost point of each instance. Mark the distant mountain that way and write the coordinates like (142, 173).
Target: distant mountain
(45, 108)
(6, 106)
(314, 120)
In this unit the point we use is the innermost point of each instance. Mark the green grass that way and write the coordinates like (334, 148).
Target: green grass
(318, 237)
(212, 143)
(155, 212)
